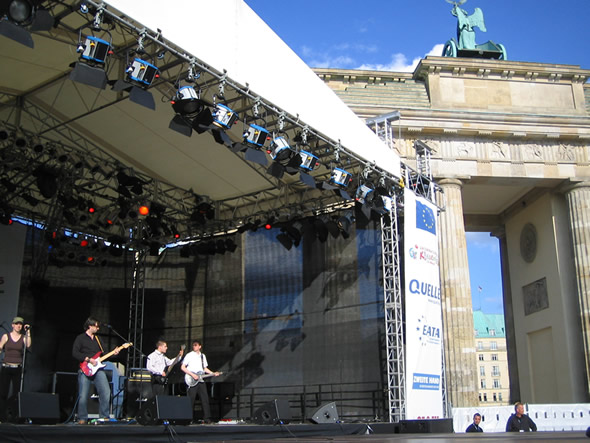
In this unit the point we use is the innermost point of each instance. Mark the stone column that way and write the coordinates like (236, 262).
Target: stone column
(578, 200)
(500, 233)
(460, 360)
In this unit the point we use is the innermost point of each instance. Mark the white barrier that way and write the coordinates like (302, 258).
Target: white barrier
(551, 417)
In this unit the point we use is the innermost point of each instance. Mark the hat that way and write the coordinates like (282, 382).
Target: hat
(18, 320)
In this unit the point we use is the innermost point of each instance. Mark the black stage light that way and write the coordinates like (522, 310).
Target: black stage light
(285, 240)
(332, 227)
(18, 14)
(46, 181)
(344, 223)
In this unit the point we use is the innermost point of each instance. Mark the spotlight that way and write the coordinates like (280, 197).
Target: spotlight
(309, 162)
(84, 8)
(144, 210)
(255, 135)
(186, 102)
(224, 117)
(90, 69)
(280, 149)
(46, 181)
(340, 177)
(365, 193)
(142, 72)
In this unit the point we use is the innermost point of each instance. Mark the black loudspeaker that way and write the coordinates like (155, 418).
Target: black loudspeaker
(34, 407)
(273, 412)
(435, 426)
(138, 392)
(176, 410)
(325, 414)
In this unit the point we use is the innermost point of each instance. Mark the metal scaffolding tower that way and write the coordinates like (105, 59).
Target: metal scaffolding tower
(136, 299)
(393, 303)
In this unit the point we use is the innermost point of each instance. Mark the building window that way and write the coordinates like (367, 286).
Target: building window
(485, 397)
(480, 357)
(496, 384)
(482, 383)
(493, 346)
(499, 396)
(494, 357)
(480, 396)
(479, 345)
(482, 370)
(496, 371)
(495, 397)
(492, 332)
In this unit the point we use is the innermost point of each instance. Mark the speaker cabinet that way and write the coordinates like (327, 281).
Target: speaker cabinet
(138, 392)
(34, 407)
(273, 412)
(434, 426)
(325, 414)
(176, 410)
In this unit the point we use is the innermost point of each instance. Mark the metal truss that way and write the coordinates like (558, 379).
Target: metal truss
(136, 301)
(393, 304)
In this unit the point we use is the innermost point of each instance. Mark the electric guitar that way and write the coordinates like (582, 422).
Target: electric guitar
(169, 368)
(89, 369)
(192, 382)
(163, 379)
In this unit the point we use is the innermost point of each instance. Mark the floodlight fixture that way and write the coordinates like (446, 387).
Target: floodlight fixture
(280, 150)
(94, 50)
(224, 117)
(186, 102)
(256, 135)
(365, 193)
(309, 162)
(15, 15)
(340, 177)
(141, 72)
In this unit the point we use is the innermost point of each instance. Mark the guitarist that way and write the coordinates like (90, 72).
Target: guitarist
(157, 363)
(195, 363)
(87, 348)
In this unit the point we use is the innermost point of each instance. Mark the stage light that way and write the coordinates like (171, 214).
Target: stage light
(84, 8)
(309, 162)
(365, 193)
(256, 135)
(89, 70)
(142, 72)
(340, 177)
(280, 150)
(186, 102)
(144, 210)
(5, 213)
(84, 243)
(46, 181)
(285, 240)
(224, 117)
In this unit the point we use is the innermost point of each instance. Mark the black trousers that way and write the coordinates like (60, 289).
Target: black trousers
(9, 377)
(201, 390)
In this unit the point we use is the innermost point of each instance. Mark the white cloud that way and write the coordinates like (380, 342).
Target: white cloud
(482, 240)
(399, 62)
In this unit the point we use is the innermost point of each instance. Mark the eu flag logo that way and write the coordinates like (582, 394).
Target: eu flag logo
(425, 218)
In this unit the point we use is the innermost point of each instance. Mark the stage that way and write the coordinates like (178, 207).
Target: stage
(339, 432)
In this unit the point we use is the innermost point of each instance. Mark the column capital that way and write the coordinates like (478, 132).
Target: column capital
(574, 185)
(449, 181)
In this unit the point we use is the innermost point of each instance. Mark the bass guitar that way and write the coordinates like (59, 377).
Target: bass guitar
(192, 382)
(89, 369)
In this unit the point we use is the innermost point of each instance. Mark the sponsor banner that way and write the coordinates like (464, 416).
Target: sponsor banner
(12, 239)
(422, 309)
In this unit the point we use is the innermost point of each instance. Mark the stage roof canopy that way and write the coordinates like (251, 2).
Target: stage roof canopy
(69, 140)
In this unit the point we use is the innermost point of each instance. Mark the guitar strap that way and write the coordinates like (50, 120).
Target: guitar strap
(202, 363)
(99, 344)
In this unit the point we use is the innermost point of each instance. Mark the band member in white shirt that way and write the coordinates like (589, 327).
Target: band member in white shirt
(195, 367)
(157, 364)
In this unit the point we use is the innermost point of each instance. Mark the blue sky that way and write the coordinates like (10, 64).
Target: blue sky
(393, 36)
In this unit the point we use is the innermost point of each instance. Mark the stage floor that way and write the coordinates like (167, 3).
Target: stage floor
(335, 433)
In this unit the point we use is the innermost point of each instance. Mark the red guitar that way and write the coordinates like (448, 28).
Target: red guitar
(89, 369)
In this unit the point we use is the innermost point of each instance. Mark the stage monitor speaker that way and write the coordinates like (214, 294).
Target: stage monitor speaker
(433, 426)
(33, 407)
(175, 410)
(273, 412)
(325, 414)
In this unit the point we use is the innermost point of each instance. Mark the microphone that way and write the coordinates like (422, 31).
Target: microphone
(108, 326)
(27, 327)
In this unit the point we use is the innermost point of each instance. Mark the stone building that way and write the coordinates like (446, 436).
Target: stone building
(510, 151)
(492, 359)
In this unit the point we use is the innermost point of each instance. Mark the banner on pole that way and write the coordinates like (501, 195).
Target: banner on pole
(423, 309)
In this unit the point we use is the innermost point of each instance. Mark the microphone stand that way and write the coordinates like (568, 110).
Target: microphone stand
(22, 372)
